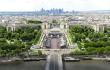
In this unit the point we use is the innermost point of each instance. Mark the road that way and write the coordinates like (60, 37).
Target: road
(54, 62)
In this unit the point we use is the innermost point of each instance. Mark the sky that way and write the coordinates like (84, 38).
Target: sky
(67, 5)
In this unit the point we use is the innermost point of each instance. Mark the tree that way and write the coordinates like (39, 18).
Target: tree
(34, 21)
(39, 52)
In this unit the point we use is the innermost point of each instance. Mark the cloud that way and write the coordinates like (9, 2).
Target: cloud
(32, 5)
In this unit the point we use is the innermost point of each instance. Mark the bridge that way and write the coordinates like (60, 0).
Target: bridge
(54, 61)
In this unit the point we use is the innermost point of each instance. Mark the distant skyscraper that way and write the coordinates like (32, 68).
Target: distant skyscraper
(52, 11)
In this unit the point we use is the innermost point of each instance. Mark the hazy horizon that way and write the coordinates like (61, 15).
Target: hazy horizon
(67, 5)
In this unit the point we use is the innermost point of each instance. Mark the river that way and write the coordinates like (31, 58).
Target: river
(40, 65)
(87, 65)
(34, 65)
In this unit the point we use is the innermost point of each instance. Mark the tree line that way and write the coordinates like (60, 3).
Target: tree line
(19, 41)
(91, 41)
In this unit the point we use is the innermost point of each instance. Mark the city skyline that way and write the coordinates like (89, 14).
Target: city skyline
(67, 5)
